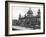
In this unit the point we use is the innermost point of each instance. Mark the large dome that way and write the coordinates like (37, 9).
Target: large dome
(30, 12)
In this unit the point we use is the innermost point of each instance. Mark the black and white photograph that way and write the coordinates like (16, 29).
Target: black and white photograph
(25, 18)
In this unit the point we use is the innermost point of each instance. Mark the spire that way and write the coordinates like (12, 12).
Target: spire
(19, 15)
(38, 11)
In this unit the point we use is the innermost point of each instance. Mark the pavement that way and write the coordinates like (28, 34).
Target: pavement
(20, 28)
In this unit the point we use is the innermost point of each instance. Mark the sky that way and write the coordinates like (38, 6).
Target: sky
(22, 10)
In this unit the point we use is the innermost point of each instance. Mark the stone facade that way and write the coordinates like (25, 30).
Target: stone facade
(29, 20)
